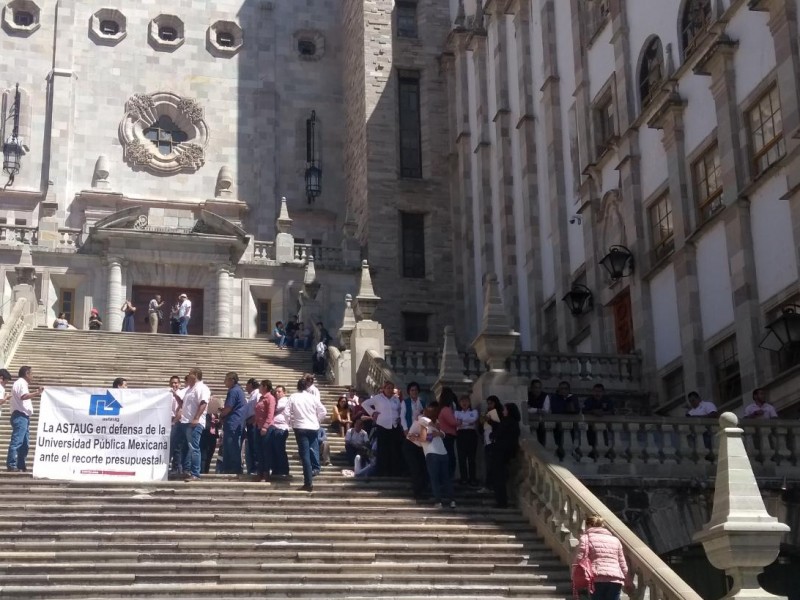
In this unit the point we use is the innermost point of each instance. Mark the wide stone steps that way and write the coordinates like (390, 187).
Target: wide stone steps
(225, 537)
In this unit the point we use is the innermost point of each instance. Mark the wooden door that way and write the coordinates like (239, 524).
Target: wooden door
(623, 322)
(142, 294)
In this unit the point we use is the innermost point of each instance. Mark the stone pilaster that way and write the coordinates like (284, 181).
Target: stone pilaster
(552, 122)
(670, 120)
(719, 64)
(114, 296)
(529, 246)
(481, 148)
(504, 217)
(224, 301)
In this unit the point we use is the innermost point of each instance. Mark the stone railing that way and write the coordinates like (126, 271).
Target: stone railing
(13, 329)
(414, 364)
(557, 503)
(68, 238)
(263, 251)
(661, 446)
(373, 372)
(330, 364)
(615, 371)
(325, 257)
(19, 234)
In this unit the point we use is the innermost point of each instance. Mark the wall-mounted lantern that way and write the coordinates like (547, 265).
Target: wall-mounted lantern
(618, 262)
(313, 172)
(579, 299)
(12, 147)
(784, 331)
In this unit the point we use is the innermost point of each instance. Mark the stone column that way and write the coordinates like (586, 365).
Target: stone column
(223, 307)
(113, 317)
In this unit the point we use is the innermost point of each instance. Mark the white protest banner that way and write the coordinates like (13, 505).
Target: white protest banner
(97, 434)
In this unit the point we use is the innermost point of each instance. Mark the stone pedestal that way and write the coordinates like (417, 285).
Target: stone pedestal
(284, 240)
(344, 368)
(48, 225)
(25, 286)
(741, 538)
(367, 335)
(451, 369)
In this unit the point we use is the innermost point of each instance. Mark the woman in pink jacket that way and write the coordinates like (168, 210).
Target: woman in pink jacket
(609, 566)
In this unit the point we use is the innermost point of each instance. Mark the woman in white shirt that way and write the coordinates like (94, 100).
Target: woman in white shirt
(425, 433)
(61, 322)
(467, 440)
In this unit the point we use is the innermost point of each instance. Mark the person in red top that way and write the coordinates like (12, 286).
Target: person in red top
(264, 415)
(448, 425)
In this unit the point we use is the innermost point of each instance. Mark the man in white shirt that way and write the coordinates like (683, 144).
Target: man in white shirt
(355, 440)
(21, 413)
(184, 314)
(384, 408)
(760, 408)
(177, 438)
(278, 433)
(701, 408)
(193, 420)
(304, 411)
(251, 388)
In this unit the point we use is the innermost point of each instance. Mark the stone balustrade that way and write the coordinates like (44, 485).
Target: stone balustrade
(68, 238)
(325, 257)
(13, 329)
(263, 251)
(661, 446)
(19, 234)
(557, 503)
(422, 365)
(616, 371)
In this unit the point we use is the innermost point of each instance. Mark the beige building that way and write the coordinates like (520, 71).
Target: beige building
(149, 148)
(658, 135)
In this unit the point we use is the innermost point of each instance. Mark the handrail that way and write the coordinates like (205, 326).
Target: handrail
(12, 331)
(654, 443)
(373, 372)
(557, 503)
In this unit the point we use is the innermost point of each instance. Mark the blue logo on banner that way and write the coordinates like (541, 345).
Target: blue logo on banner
(104, 405)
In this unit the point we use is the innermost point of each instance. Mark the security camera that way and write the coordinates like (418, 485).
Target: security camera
(576, 220)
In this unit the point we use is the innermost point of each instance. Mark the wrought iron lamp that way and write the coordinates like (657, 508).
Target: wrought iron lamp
(784, 331)
(313, 172)
(618, 262)
(12, 147)
(579, 299)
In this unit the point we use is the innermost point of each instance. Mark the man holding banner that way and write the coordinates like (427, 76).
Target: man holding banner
(193, 421)
(21, 413)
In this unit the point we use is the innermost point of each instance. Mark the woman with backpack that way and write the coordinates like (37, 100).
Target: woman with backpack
(600, 564)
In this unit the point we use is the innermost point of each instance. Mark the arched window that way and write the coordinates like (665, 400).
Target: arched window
(651, 70)
(696, 16)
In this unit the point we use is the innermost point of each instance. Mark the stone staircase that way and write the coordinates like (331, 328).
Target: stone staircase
(224, 537)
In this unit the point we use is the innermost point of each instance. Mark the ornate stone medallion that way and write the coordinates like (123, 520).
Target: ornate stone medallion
(164, 133)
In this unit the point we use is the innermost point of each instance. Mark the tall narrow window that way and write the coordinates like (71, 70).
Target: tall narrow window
(66, 304)
(410, 138)
(707, 175)
(264, 321)
(660, 213)
(696, 16)
(415, 327)
(674, 388)
(406, 15)
(604, 124)
(550, 328)
(412, 227)
(651, 71)
(725, 360)
(766, 131)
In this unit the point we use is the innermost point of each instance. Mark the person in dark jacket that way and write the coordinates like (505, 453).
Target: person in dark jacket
(506, 442)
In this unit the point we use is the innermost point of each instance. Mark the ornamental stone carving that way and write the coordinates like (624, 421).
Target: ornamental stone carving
(149, 146)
